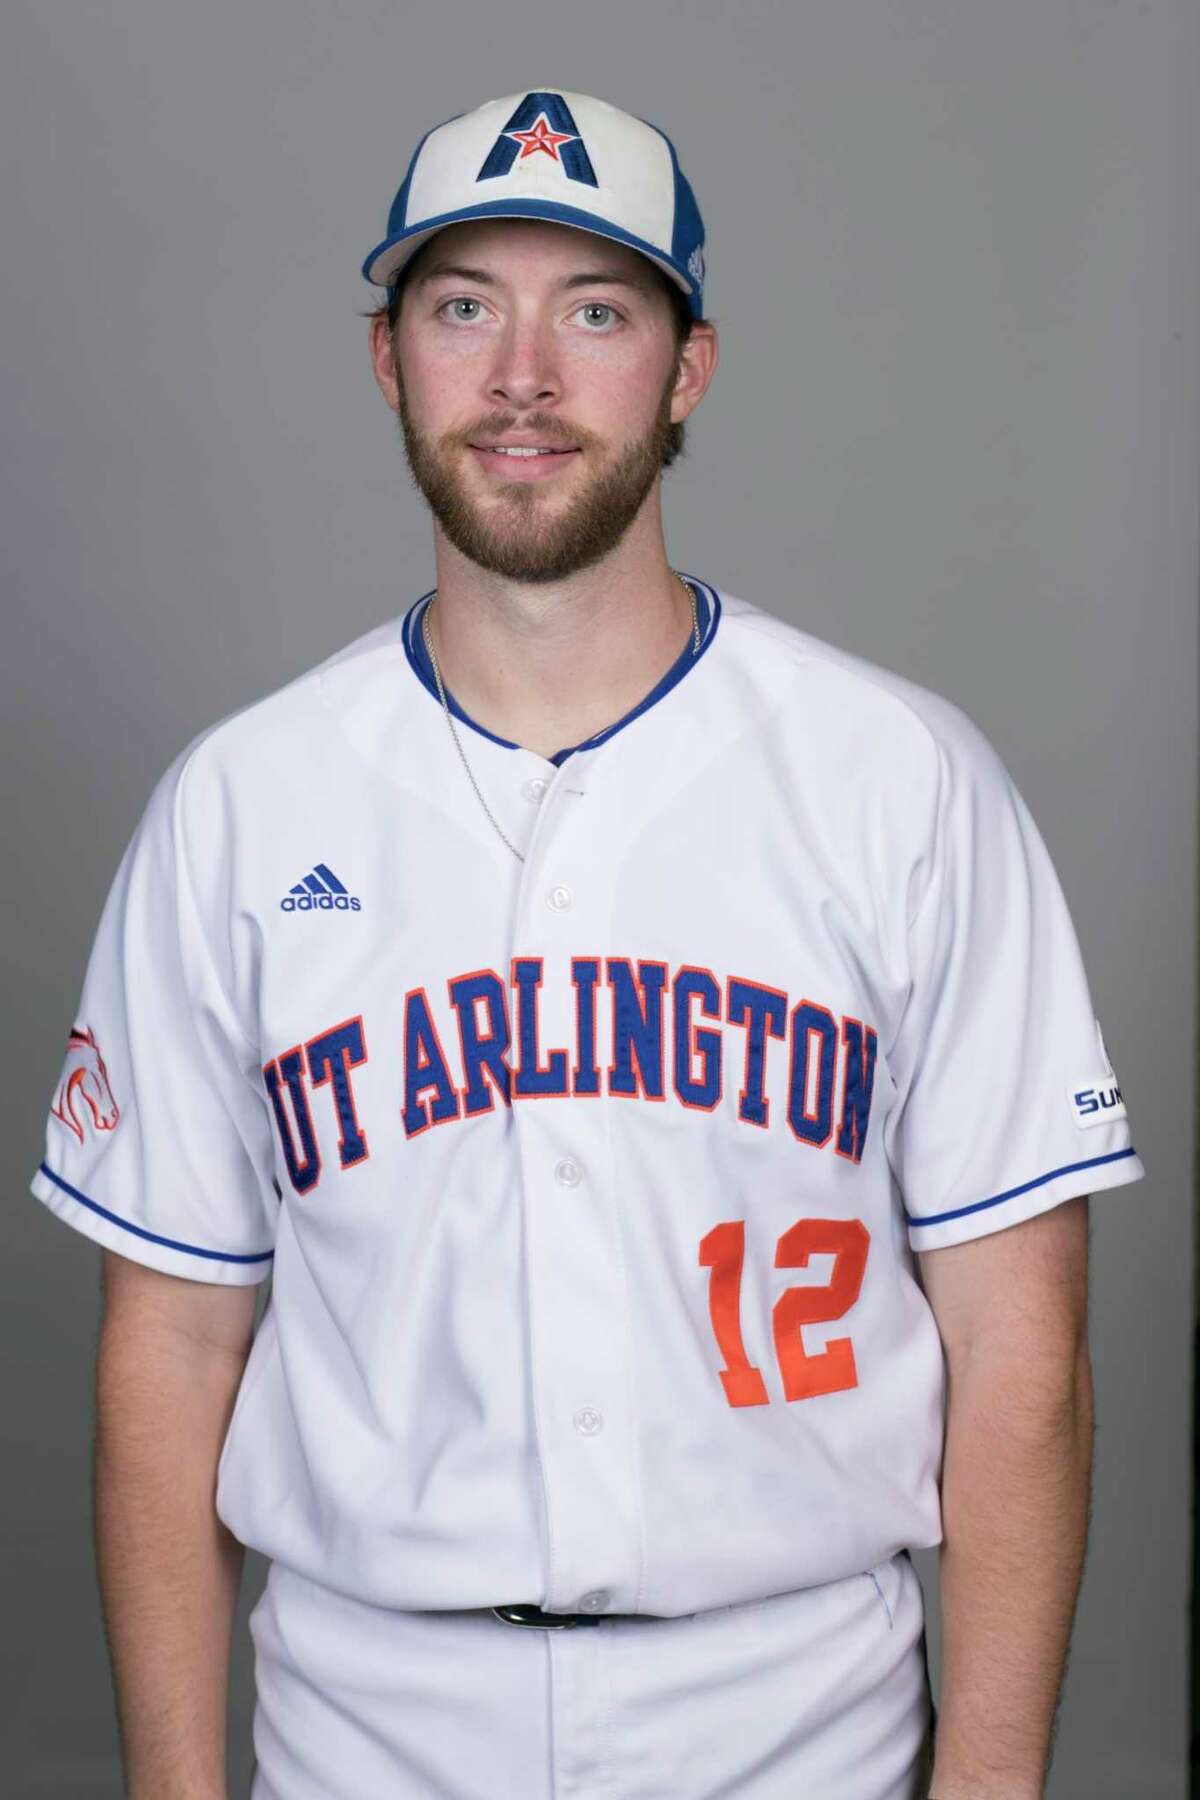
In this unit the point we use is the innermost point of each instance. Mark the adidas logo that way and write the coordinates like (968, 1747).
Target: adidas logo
(320, 892)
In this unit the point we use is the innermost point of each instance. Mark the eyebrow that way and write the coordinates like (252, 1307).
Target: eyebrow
(482, 277)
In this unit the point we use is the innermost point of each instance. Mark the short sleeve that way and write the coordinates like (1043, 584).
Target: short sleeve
(157, 1138)
(1008, 1103)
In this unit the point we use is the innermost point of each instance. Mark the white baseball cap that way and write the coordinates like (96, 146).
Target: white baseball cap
(554, 155)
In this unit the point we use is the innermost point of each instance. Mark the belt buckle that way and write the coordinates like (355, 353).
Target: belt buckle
(526, 1613)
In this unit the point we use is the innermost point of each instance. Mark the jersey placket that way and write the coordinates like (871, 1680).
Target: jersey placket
(579, 1342)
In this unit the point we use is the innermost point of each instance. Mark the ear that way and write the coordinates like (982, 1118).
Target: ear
(381, 360)
(697, 366)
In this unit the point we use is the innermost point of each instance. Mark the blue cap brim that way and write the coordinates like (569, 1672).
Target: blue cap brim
(381, 266)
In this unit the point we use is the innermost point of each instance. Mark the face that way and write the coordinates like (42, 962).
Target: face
(533, 333)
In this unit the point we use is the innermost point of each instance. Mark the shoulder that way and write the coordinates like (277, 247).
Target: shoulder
(889, 719)
(249, 756)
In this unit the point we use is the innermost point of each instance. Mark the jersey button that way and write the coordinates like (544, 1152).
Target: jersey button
(596, 1601)
(589, 1421)
(534, 788)
(560, 898)
(568, 1172)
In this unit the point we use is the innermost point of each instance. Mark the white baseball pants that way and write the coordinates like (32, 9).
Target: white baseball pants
(818, 1694)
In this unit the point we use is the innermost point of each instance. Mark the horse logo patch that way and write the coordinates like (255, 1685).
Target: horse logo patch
(84, 1083)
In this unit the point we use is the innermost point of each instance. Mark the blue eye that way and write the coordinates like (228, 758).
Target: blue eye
(590, 306)
(599, 306)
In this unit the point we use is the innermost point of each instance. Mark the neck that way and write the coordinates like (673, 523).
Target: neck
(550, 665)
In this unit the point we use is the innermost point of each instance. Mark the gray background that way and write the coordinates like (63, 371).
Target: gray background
(953, 263)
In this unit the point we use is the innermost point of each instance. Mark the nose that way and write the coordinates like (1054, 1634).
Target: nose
(525, 372)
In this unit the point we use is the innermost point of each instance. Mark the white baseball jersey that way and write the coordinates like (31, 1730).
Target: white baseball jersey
(589, 1183)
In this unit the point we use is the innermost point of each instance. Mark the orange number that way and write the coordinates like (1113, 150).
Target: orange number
(804, 1373)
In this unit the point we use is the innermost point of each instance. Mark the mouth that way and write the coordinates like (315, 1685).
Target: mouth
(522, 462)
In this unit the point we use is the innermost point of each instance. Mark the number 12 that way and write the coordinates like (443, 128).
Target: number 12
(804, 1373)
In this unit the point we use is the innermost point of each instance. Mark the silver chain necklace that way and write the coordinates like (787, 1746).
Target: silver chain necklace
(688, 589)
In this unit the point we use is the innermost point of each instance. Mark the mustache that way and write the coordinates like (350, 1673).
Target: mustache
(549, 430)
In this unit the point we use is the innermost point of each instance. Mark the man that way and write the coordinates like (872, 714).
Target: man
(649, 1049)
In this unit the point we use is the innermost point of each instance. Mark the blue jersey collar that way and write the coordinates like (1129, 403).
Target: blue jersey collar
(708, 616)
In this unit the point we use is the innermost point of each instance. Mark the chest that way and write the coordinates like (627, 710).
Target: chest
(723, 960)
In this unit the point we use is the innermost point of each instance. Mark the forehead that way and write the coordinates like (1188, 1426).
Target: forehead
(510, 247)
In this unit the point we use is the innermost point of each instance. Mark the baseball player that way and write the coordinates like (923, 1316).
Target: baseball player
(648, 1050)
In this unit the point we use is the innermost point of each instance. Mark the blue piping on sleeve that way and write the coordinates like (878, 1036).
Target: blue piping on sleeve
(151, 1236)
(960, 1212)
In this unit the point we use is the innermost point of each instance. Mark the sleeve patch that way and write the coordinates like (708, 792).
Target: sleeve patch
(84, 1099)
(1096, 1100)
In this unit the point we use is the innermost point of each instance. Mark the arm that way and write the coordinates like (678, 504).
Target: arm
(1011, 1308)
(170, 1358)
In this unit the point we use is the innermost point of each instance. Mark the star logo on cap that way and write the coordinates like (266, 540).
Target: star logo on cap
(542, 137)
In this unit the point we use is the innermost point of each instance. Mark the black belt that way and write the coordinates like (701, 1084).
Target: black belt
(529, 1614)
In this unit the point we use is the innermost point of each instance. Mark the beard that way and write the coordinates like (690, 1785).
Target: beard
(521, 534)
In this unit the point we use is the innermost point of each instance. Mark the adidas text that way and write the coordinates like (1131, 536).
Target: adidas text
(320, 903)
